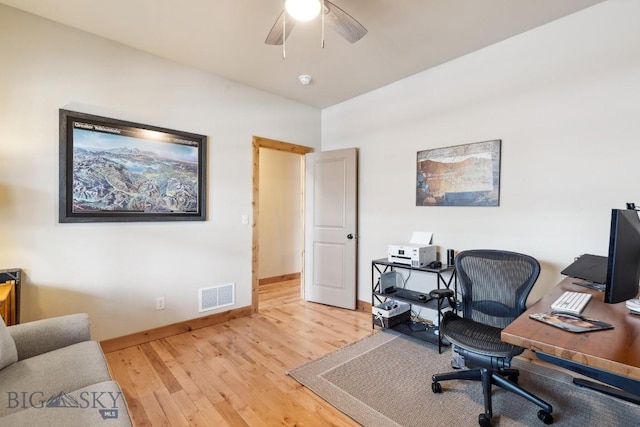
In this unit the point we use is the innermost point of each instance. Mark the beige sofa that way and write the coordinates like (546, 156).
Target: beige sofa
(52, 374)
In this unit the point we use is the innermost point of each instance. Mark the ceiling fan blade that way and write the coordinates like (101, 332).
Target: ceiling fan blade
(343, 23)
(275, 35)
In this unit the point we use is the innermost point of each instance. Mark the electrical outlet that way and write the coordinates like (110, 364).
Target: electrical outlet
(160, 303)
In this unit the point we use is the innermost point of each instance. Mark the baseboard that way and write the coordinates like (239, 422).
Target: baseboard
(281, 278)
(363, 306)
(137, 338)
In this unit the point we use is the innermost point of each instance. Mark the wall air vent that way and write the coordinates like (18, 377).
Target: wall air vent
(216, 296)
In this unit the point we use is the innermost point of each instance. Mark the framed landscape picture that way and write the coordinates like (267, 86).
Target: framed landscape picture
(113, 170)
(463, 175)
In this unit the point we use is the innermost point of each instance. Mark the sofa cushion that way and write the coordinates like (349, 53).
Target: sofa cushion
(42, 377)
(100, 404)
(8, 352)
(41, 336)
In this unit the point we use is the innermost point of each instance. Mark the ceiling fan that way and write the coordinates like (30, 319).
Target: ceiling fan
(341, 22)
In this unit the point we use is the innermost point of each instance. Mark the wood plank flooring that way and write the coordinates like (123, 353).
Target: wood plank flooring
(234, 373)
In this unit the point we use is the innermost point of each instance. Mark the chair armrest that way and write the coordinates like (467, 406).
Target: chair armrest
(41, 336)
(441, 293)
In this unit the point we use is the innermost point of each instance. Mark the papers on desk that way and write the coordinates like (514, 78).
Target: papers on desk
(571, 322)
(633, 305)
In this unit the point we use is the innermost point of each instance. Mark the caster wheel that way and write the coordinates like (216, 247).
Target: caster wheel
(545, 417)
(436, 388)
(484, 421)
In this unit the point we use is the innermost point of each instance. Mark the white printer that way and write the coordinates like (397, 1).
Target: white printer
(418, 253)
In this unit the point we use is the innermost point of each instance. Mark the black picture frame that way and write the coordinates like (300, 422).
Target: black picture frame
(118, 171)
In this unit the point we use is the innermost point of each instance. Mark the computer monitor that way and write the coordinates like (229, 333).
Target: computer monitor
(623, 263)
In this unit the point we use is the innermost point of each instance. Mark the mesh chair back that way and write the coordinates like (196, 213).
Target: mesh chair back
(495, 284)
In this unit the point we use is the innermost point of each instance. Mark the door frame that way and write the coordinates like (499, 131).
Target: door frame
(258, 143)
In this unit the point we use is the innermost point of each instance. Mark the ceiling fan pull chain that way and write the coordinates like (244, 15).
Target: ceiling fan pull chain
(322, 44)
(284, 34)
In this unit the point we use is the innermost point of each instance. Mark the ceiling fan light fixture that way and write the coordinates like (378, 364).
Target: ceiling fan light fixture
(303, 10)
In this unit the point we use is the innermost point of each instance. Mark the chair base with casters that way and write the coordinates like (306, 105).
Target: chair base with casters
(489, 370)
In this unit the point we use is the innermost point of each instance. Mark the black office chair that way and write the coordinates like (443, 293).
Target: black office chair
(494, 286)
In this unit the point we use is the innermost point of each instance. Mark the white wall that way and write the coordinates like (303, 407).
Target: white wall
(280, 249)
(115, 271)
(565, 101)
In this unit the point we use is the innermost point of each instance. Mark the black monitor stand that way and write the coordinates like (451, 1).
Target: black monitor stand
(591, 285)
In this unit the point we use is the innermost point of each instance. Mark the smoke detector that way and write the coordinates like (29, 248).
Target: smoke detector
(305, 79)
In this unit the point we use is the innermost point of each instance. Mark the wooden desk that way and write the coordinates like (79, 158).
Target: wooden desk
(611, 356)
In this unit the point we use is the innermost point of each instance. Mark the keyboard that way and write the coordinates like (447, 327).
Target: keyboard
(571, 302)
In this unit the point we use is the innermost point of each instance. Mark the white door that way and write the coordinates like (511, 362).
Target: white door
(331, 227)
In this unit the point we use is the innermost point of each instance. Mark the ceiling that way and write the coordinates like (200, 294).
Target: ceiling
(227, 37)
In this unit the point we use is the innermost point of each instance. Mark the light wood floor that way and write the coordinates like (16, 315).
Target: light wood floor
(234, 374)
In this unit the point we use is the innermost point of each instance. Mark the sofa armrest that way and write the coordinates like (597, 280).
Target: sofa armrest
(41, 336)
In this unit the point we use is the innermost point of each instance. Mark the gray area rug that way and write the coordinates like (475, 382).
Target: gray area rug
(385, 380)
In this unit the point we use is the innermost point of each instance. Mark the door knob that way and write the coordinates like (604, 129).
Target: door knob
(349, 236)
